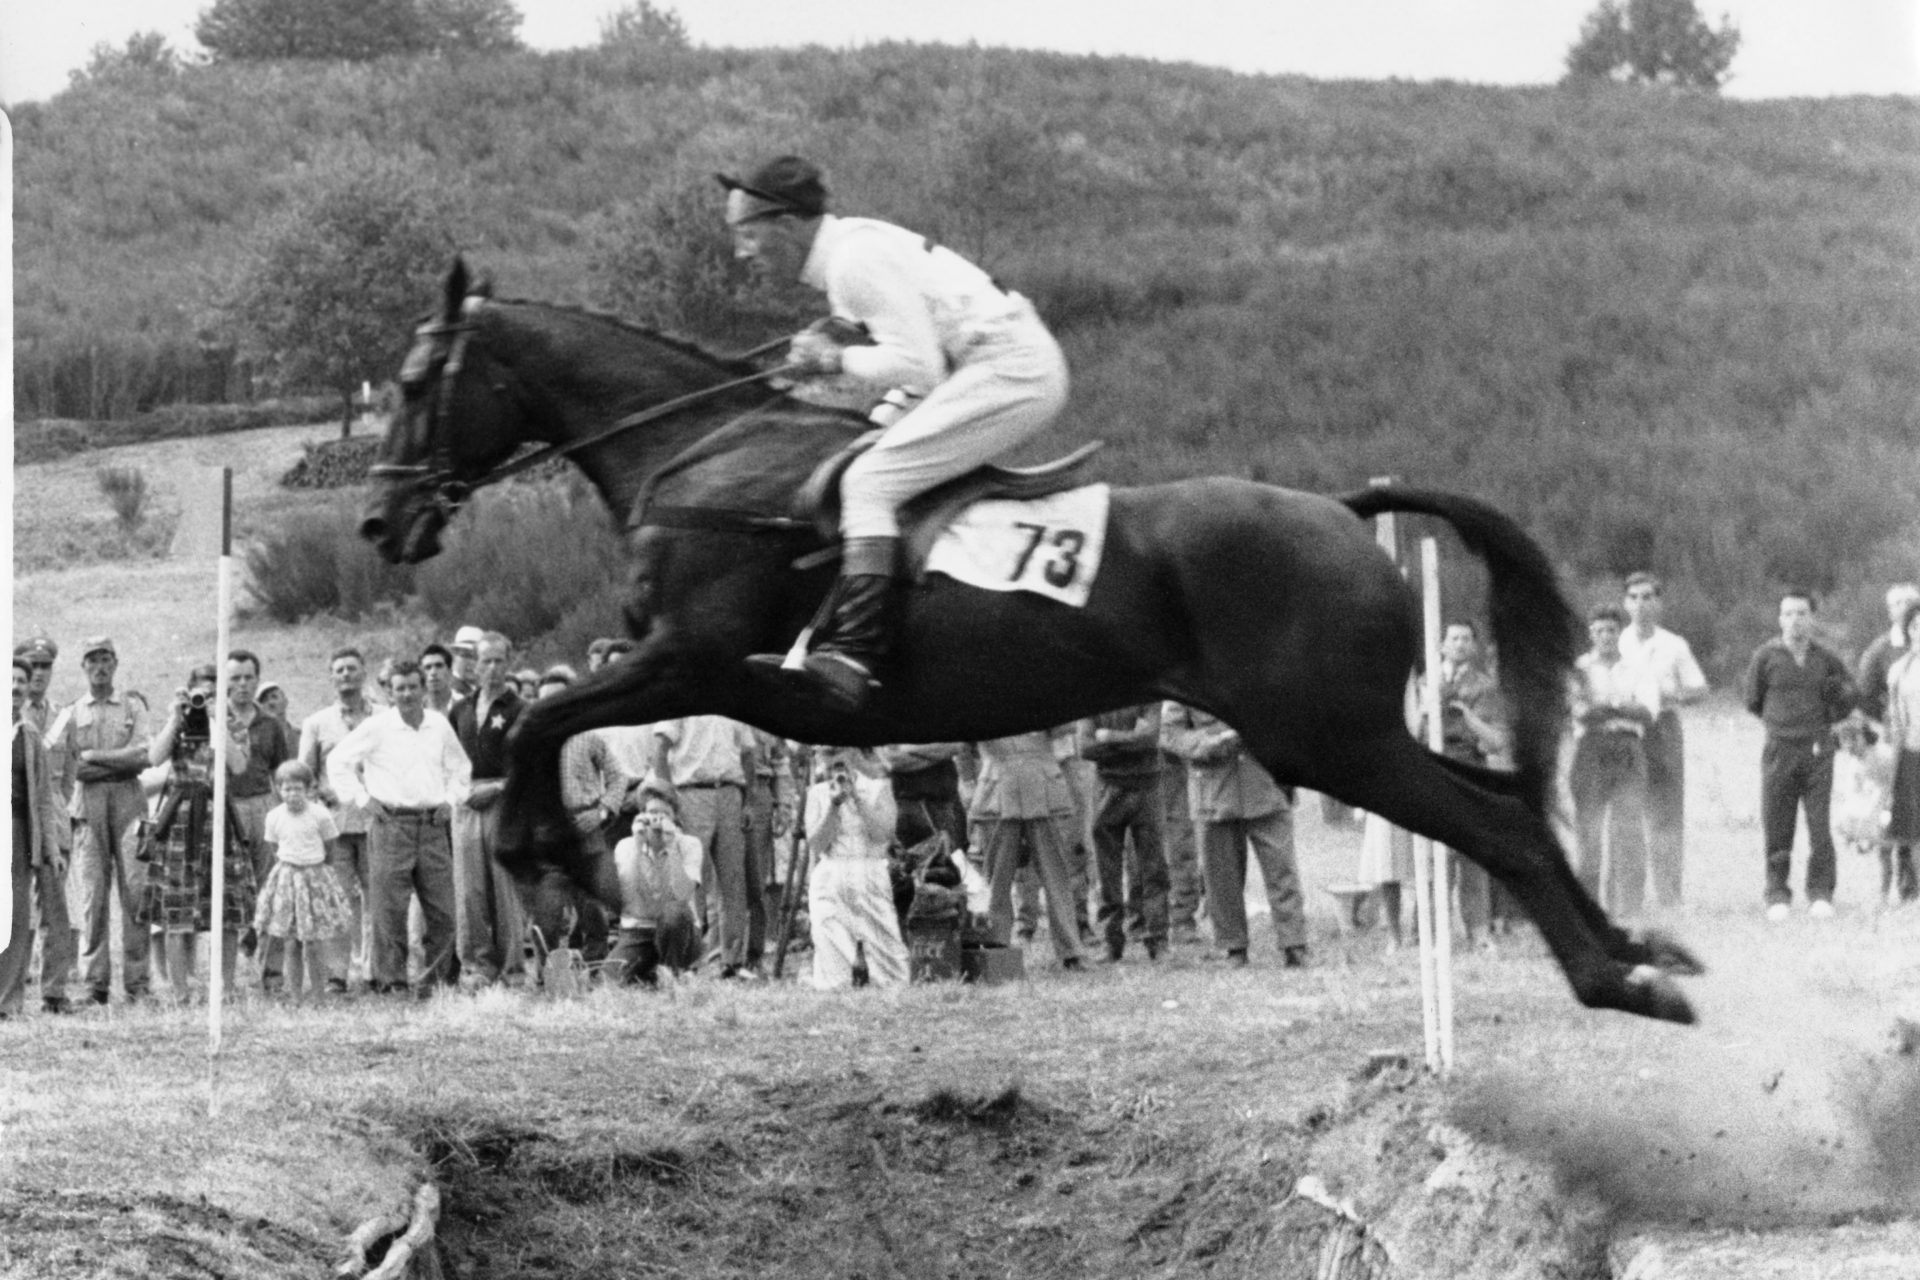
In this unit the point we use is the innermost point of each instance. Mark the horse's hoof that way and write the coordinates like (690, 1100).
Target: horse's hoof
(1663, 951)
(1652, 993)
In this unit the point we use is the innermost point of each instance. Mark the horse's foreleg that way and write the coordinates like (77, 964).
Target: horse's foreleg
(1410, 787)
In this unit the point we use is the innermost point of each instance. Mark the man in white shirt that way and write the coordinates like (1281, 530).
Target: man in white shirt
(406, 767)
(707, 760)
(320, 733)
(971, 368)
(1668, 659)
(1615, 702)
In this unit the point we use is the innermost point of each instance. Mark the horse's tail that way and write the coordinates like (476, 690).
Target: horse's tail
(1533, 626)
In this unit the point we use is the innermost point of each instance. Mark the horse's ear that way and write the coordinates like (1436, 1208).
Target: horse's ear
(456, 294)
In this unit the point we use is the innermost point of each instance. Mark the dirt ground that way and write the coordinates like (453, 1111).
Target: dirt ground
(1144, 1120)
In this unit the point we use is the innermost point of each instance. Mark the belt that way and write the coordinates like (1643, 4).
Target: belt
(404, 811)
(704, 786)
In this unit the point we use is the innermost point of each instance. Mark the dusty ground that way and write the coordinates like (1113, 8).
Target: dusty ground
(1138, 1121)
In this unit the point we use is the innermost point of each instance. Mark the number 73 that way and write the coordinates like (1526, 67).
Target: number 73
(1060, 563)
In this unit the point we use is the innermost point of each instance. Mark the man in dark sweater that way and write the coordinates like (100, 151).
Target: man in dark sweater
(1800, 690)
(1124, 747)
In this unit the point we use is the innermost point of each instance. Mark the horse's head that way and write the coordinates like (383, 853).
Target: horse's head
(458, 419)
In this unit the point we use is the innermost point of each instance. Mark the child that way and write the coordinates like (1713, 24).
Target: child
(302, 901)
(849, 823)
(658, 866)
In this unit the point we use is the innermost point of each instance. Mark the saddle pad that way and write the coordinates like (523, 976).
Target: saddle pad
(1050, 546)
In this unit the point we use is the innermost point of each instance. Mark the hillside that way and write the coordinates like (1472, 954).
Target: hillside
(1661, 329)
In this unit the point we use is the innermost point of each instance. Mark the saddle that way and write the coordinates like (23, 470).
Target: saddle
(924, 518)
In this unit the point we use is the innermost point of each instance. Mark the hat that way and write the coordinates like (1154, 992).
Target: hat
(97, 644)
(38, 649)
(785, 184)
(271, 686)
(467, 638)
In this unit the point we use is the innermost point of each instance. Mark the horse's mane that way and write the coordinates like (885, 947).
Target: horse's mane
(675, 342)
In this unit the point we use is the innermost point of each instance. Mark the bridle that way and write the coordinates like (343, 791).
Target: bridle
(437, 477)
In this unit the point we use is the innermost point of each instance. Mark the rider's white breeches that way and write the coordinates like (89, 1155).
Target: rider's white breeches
(1010, 384)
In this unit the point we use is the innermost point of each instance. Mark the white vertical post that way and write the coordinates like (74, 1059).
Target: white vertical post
(1387, 534)
(1436, 854)
(217, 729)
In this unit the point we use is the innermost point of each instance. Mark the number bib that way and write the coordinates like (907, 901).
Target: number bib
(1047, 545)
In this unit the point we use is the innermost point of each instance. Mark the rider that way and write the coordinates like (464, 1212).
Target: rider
(976, 368)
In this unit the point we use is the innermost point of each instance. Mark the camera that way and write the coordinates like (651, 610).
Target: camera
(197, 700)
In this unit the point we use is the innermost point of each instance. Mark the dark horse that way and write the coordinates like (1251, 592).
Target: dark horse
(1273, 609)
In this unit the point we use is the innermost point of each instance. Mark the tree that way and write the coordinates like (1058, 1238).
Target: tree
(329, 287)
(1653, 42)
(643, 25)
(353, 30)
(146, 53)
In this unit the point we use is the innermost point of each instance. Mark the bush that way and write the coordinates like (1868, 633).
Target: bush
(126, 489)
(316, 562)
(334, 464)
(48, 441)
(524, 559)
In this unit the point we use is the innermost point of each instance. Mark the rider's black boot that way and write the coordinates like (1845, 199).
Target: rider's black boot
(860, 635)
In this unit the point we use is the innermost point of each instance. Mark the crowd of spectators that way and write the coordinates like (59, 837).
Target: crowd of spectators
(359, 843)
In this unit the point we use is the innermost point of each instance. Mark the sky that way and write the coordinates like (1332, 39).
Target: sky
(1790, 48)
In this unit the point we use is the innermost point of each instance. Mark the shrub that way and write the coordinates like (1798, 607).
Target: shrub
(522, 559)
(126, 489)
(316, 562)
(334, 464)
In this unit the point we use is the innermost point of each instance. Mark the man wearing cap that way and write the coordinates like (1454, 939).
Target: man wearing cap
(406, 767)
(973, 366)
(40, 653)
(41, 834)
(466, 661)
(488, 921)
(99, 745)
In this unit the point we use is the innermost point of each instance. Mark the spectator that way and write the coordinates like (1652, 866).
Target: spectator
(1186, 887)
(37, 866)
(1669, 660)
(597, 653)
(526, 683)
(1124, 747)
(1886, 649)
(61, 943)
(850, 820)
(1020, 809)
(1615, 702)
(322, 731)
(1800, 690)
(40, 654)
(1237, 805)
(1472, 730)
(770, 808)
(489, 920)
(303, 905)
(273, 700)
(99, 749)
(658, 866)
(466, 661)
(178, 843)
(436, 667)
(406, 766)
(706, 759)
(926, 791)
(596, 791)
(1898, 882)
(269, 745)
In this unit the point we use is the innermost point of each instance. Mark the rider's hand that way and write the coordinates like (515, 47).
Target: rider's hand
(813, 353)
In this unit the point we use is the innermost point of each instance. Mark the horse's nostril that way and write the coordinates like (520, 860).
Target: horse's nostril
(373, 528)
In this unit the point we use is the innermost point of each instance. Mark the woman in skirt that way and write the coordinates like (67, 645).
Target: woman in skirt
(177, 845)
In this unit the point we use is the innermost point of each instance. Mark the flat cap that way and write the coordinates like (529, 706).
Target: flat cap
(97, 644)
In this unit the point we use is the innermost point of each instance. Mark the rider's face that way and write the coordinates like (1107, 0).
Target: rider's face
(773, 248)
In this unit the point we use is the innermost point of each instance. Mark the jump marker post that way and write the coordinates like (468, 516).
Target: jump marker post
(1440, 879)
(216, 722)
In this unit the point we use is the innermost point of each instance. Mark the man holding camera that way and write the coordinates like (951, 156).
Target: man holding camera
(99, 748)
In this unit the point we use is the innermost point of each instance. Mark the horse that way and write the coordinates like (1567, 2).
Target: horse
(1275, 610)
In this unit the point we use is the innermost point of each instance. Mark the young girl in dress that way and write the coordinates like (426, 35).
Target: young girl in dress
(302, 902)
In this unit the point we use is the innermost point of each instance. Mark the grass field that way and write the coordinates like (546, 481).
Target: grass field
(1146, 1120)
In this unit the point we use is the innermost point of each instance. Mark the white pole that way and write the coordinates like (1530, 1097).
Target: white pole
(217, 728)
(1387, 534)
(1439, 856)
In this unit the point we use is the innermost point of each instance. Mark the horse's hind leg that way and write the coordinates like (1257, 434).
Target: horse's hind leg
(1408, 786)
(1648, 946)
